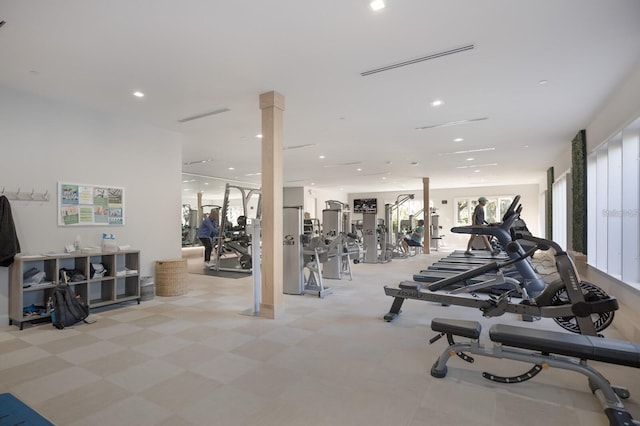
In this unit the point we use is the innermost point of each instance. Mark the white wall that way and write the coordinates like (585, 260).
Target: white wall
(321, 196)
(622, 107)
(44, 142)
(529, 199)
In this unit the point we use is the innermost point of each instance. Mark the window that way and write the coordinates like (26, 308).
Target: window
(613, 206)
(493, 210)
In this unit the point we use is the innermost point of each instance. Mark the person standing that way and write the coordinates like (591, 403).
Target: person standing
(207, 232)
(478, 219)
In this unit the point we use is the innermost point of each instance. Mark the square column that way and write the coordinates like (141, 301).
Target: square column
(272, 106)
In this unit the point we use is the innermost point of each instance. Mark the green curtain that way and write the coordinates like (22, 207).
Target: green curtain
(549, 210)
(579, 191)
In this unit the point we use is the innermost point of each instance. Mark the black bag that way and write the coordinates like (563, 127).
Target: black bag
(67, 308)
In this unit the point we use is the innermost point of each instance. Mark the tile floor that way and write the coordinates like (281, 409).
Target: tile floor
(196, 360)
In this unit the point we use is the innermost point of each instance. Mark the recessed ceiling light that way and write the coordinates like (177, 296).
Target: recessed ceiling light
(458, 140)
(437, 103)
(384, 178)
(470, 159)
(541, 82)
(476, 171)
(358, 170)
(377, 4)
(259, 136)
(313, 183)
(322, 157)
(232, 168)
(138, 94)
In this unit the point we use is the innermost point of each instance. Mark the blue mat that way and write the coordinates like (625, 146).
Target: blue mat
(15, 412)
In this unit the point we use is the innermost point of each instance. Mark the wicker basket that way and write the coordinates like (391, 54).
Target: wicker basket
(171, 277)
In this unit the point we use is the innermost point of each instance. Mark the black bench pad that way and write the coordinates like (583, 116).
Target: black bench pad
(464, 328)
(575, 345)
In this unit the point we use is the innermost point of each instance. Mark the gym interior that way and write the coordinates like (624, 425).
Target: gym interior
(361, 332)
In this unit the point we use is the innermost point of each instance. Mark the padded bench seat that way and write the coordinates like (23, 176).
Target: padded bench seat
(575, 345)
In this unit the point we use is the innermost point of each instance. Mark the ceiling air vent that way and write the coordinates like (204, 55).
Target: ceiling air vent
(417, 60)
(206, 114)
(452, 123)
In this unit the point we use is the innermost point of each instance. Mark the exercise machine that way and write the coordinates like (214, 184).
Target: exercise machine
(301, 269)
(543, 349)
(336, 220)
(370, 237)
(234, 239)
(523, 268)
(575, 305)
(393, 238)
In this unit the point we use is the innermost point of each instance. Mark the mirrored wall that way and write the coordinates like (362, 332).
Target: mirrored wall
(202, 193)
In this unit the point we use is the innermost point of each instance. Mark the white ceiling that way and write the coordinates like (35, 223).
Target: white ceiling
(195, 56)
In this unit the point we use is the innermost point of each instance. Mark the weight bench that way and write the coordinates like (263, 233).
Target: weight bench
(543, 349)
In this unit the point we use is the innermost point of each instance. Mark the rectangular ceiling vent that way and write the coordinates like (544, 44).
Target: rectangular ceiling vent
(206, 114)
(452, 123)
(417, 60)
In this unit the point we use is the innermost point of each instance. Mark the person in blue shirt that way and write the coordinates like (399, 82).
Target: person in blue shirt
(415, 239)
(207, 232)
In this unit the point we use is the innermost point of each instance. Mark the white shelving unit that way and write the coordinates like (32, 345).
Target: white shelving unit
(121, 283)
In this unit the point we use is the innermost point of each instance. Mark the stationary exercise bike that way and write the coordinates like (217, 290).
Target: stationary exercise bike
(575, 305)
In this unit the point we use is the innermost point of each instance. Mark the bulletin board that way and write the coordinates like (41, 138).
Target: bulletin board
(88, 205)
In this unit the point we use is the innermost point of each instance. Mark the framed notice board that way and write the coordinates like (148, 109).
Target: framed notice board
(87, 205)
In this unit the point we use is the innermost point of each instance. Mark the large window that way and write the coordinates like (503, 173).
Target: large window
(613, 206)
(493, 210)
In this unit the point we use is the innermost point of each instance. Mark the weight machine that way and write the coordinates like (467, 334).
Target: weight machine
(234, 239)
(395, 232)
(303, 255)
(336, 220)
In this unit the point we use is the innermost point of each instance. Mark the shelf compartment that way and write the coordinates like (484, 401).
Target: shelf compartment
(128, 287)
(101, 291)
